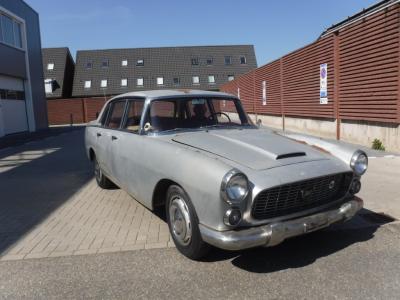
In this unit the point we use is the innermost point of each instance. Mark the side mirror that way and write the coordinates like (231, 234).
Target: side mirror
(259, 122)
(147, 127)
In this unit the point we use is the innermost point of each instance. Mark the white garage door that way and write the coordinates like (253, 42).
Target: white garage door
(13, 116)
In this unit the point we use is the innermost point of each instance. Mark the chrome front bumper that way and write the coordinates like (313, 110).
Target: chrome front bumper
(275, 233)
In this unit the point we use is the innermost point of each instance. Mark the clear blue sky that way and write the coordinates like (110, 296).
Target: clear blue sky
(273, 27)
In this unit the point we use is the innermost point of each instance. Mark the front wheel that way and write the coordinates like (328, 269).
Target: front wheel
(184, 225)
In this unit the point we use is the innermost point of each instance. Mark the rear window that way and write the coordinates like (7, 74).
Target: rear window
(134, 114)
(115, 115)
(105, 114)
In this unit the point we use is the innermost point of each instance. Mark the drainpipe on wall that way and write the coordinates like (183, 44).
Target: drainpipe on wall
(398, 78)
(281, 87)
(254, 97)
(336, 85)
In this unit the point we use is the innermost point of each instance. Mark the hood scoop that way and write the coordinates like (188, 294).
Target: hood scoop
(289, 155)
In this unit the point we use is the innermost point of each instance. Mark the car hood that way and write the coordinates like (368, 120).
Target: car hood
(256, 149)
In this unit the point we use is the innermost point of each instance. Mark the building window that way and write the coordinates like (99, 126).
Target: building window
(50, 66)
(139, 81)
(160, 80)
(211, 79)
(10, 31)
(104, 63)
(176, 81)
(228, 60)
(124, 62)
(48, 86)
(124, 82)
(195, 80)
(12, 94)
(231, 77)
(88, 84)
(209, 61)
(243, 60)
(195, 61)
(140, 62)
(18, 34)
(103, 83)
(89, 65)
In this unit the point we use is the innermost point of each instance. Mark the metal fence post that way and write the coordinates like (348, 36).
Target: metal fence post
(281, 90)
(336, 85)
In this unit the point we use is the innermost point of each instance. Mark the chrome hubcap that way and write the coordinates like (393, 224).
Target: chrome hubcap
(180, 221)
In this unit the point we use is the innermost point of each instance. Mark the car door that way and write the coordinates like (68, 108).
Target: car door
(127, 148)
(110, 135)
(98, 133)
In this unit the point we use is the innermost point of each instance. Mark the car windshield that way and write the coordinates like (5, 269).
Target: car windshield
(194, 113)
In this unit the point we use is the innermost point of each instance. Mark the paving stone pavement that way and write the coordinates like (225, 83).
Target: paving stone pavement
(51, 206)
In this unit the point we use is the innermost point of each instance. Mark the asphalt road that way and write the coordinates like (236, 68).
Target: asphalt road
(339, 263)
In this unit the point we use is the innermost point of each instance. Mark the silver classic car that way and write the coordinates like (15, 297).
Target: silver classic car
(220, 179)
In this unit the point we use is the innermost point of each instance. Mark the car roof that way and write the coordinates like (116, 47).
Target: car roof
(159, 94)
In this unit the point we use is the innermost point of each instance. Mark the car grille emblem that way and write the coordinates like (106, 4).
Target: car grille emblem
(306, 193)
(331, 184)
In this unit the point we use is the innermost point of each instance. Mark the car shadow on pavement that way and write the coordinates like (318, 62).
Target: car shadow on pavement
(299, 251)
(36, 179)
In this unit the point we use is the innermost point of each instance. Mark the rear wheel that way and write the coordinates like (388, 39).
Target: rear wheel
(183, 224)
(101, 179)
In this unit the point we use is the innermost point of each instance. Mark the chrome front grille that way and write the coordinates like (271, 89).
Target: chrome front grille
(298, 196)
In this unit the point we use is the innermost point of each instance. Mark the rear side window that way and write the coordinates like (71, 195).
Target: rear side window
(115, 114)
(105, 114)
(135, 108)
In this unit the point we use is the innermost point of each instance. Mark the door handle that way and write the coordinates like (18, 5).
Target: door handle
(113, 138)
(98, 134)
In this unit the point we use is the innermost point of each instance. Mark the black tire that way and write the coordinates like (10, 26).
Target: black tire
(196, 248)
(101, 179)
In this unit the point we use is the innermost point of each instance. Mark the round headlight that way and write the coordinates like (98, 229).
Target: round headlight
(359, 162)
(234, 187)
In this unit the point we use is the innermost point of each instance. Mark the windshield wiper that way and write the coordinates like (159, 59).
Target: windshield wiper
(221, 126)
(178, 129)
(212, 126)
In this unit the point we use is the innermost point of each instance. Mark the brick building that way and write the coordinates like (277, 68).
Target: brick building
(58, 68)
(116, 71)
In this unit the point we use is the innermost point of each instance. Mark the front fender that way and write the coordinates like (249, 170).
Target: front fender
(342, 152)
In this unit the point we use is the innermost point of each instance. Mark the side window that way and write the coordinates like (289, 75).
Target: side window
(135, 108)
(115, 114)
(105, 114)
